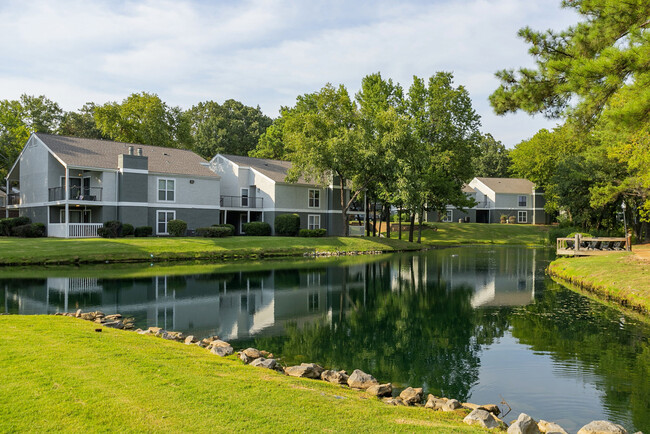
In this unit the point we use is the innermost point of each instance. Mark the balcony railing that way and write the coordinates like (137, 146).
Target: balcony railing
(241, 202)
(76, 193)
(75, 230)
(13, 199)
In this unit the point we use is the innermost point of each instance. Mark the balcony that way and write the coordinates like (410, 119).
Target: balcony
(13, 199)
(76, 193)
(241, 202)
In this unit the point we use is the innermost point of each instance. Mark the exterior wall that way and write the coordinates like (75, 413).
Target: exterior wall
(511, 201)
(203, 191)
(135, 215)
(55, 171)
(295, 198)
(37, 214)
(96, 214)
(133, 187)
(108, 182)
(194, 217)
(267, 190)
(34, 164)
(229, 173)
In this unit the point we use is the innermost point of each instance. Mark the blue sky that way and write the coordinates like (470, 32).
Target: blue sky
(264, 52)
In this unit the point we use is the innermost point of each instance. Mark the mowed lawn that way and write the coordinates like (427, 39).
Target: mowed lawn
(58, 374)
(481, 233)
(87, 250)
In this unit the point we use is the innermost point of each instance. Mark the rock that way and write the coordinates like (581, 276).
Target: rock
(262, 362)
(434, 402)
(393, 401)
(244, 358)
(482, 418)
(524, 425)
(336, 377)
(492, 408)
(154, 330)
(380, 390)
(305, 370)
(78, 314)
(222, 350)
(113, 317)
(252, 353)
(361, 380)
(114, 324)
(451, 405)
(602, 427)
(190, 340)
(265, 354)
(204, 343)
(218, 343)
(89, 316)
(470, 406)
(550, 427)
(411, 396)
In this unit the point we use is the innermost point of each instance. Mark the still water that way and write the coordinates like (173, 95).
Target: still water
(480, 324)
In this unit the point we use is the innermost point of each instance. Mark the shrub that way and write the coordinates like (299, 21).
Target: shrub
(226, 225)
(7, 225)
(39, 230)
(504, 218)
(312, 233)
(30, 230)
(176, 228)
(512, 219)
(257, 229)
(214, 232)
(127, 230)
(143, 231)
(287, 225)
(111, 229)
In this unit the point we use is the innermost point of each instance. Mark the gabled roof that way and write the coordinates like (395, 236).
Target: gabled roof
(102, 154)
(508, 185)
(468, 189)
(276, 170)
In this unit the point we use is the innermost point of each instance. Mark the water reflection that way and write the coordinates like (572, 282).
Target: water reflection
(471, 323)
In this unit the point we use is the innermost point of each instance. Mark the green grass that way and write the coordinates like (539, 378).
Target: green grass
(619, 277)
(481, 233)
(22, 251)
(57, 374)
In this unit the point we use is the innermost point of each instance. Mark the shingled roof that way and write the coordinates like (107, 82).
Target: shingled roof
(274, 169)
(508, 185)
(102, 154)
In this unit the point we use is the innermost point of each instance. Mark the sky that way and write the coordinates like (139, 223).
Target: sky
(265, 53)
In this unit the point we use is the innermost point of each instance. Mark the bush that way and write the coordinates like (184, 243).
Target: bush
(39, 230)
(111, 229)
(30, 230)
(512, 219)
(143, 231)
(176, 228)
(312, 233)
(7, 225)
(287, 225)
(504, 218)
(257, 229)
(214, 232)
(127, 230)
(226, 225)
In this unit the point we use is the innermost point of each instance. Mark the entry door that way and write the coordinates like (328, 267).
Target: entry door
(243, 218)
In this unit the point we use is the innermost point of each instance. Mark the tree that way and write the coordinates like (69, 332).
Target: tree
(230, 128)
(493, 159)
(144, 118)
(81, 123)
(271, 143)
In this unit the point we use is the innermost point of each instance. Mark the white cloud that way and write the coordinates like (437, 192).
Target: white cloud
(263, 52)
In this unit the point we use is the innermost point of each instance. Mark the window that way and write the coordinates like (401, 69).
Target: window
(522, 217)
(163, 217)
(522, 200)
(314, 198)
(448, 216)
(244, 197)
(313, 221)
(166, 190)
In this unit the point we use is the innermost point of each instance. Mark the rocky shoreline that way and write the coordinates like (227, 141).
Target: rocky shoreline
(486, 416)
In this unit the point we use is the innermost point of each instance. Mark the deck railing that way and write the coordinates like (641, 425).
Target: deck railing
(589, 246)
(13, 199)
(241, 202)
(76, 193)
(75, 230)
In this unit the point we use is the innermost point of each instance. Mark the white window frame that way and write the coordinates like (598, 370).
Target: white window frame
(311, 221)
(158, 190)
(315, 199)
(158, 212)
(449, 215)
(246, 202)
(525, 200)
(519, 216)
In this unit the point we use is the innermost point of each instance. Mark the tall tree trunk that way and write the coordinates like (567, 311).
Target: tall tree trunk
(388, 221)
(399, 219)
(411, 228)
(344, 209)
(366, 207)
(420, 226)
(374, 218)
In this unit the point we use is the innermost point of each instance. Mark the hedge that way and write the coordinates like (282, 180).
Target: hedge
(230, 227)
(287, 225)
(176, 228)
(312, 233)
(127, 230)
(214, 232)
(143, 231)
(111, 229)
(7, 225)
(30, 230)
(257, 229)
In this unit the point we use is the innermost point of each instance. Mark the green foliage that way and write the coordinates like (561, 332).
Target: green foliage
(143, 231)
(7, 225)
(230, 227)
(29, 230)
(492, 159)
(111, 229)
(287, 225)
(144, 118)
(230, 128)
(312, 233)
(512, 219)
(271, 143)
(257, 229)
(127, 230)
(81, 123)
(176, 228)
(214, 232)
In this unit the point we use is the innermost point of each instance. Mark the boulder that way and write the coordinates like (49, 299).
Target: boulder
(361, 380)
(305, 370)
(380, 390)
(114, 324)
(217, 343)
(393, 401)
(602, 427)
(113, 317)
(190, 340)
(492, 408)
(470, 406)
(222, 350)
(411, 396)
(252, 353)
(244, 358)
(336, 377)
(482, 418)
(550, 427)
(434, 403)
(88, 316)
(524, 425)
(451, 405)
(154, 330)
(78, 314)
(261, 362)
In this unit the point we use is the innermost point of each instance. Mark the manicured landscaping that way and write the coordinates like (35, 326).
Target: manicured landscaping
(620, 277)
(480, 233)
(58, 374)
(17, 251)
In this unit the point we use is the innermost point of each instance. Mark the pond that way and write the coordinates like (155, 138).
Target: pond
(480, 324)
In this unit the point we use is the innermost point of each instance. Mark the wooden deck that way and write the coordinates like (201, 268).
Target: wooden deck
(579, 246)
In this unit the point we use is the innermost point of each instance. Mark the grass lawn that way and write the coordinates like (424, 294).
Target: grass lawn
(619, 277)
(17, 251)
(57, 374)
(481, 233)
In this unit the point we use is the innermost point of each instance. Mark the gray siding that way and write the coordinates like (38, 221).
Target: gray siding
(195, 218)
(188, 190)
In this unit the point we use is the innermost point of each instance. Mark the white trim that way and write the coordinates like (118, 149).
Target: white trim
(136, 204)
(33, 135)
(241, 197)
(519, 214)
(525, 196)
(166, 221)
(309, 190)
(449, 216)
(127, 170)
(158, 179)
(309, 216)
